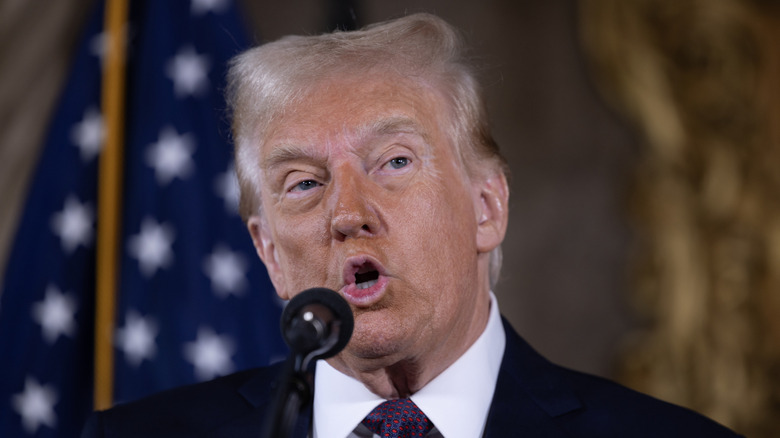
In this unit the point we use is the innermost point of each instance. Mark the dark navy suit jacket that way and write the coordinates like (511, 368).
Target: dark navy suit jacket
(533, 398)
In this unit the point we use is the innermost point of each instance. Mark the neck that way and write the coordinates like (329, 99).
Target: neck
(403, 374)
(399, 380)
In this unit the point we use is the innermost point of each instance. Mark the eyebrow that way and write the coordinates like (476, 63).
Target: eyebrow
(392, 125)
(289, 152)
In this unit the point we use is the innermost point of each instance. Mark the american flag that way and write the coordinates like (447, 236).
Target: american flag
(194, 302)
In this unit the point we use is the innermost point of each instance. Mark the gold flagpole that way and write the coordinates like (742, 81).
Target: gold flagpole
(109, 196)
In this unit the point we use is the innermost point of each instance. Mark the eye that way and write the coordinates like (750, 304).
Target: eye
(305, 185)
(398, 162)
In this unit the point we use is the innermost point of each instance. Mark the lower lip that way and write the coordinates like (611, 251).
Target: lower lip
(365, 297)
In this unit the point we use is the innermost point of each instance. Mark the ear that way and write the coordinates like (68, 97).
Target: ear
(492, 210)
(264, 244)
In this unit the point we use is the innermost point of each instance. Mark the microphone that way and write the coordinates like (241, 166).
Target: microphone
(317, 324)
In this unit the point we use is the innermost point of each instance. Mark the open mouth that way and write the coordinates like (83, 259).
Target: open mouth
(366, 276)
(365, 281)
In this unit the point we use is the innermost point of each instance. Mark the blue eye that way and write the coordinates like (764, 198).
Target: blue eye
(306, 185)
(398, 162)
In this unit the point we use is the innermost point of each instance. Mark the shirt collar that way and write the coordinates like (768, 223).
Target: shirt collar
(457, 401)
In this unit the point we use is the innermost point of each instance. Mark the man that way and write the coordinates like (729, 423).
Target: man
(366, 166)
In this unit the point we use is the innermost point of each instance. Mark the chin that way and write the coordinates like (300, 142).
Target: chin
(372, 345)
(369, 352)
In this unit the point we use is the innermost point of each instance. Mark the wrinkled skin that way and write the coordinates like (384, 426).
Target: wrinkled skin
(362, 176)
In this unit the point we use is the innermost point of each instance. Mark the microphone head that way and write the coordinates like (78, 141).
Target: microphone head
(317, 322)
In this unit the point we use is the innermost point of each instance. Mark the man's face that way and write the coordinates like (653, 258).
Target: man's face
(363, 193)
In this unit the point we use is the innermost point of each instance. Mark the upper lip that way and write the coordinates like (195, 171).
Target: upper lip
(353, 264)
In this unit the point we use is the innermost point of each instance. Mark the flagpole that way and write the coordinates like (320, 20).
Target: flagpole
(109, 201)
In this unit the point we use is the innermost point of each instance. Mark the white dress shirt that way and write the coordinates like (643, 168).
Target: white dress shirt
(456, 401)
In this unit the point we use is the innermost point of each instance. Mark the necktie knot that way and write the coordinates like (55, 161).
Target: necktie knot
(399, 418)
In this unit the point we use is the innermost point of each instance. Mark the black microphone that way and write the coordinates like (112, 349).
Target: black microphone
(317, 324)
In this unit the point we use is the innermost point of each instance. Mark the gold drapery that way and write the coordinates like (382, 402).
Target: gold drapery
(701, 80)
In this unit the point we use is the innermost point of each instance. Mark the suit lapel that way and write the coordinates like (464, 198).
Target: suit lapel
(259, 392)
(251, 425)
(530, 393)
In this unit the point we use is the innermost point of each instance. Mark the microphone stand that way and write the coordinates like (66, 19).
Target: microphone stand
(316, 324)
(294, 393)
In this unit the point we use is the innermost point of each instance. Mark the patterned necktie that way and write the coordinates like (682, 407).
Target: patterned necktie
(399, 418)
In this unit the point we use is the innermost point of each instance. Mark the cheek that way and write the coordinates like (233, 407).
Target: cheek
(450, 211)
(298, 246)
(437, 227)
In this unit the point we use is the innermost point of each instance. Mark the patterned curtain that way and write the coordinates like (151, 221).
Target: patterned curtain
(701, 80)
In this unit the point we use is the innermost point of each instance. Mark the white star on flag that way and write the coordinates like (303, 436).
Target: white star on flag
(200, 7)
(171, 156)
(226, 186)
(88, 134)
(189, 72)
(55, 314)
(227, 271)
(136, 338)
(98, 45)
(36, 405)
(210, 354)
(73, 224)
(152, 246)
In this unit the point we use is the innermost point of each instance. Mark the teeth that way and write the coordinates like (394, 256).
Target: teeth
(366, 285)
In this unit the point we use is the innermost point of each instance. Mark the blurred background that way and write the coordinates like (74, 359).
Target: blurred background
(643, 138)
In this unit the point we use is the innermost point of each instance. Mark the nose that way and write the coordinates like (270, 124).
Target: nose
(354, 214)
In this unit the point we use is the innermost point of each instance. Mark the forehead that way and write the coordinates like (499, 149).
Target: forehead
(351, 108)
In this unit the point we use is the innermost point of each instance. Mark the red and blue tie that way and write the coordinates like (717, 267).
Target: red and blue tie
(399, 418)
